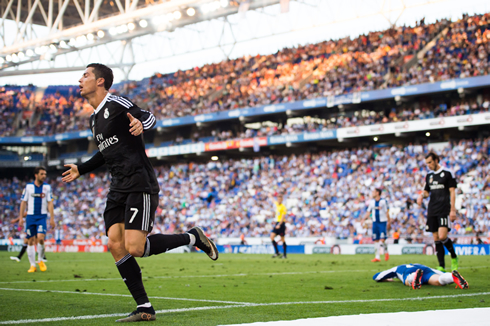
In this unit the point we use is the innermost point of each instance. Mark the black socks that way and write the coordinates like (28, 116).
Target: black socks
(22, 251)
(131, 274)
(284, 246)
(275, 246)
(440, 253)
(448, 243)
(159, 243)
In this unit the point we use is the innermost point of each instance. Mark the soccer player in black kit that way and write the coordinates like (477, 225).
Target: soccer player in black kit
(441, 186)
(117, 125)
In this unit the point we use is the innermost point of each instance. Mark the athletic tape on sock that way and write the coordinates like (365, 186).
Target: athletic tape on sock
(446, 278)
(192, 238)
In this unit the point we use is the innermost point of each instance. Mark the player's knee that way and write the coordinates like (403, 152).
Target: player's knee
(41, 241)
(115, 246)
(135, 250)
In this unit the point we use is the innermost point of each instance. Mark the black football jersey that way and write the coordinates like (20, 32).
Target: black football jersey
(123, 153)
(437, 183)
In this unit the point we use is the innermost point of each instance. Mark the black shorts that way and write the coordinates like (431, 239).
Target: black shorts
(282, 229)
(135, 209)
(436, 222)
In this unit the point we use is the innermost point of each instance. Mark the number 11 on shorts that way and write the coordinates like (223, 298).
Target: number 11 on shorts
(135, 210)
(444, 221)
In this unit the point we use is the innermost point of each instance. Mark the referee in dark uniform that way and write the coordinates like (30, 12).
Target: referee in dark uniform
(117, 126)
(441, 186)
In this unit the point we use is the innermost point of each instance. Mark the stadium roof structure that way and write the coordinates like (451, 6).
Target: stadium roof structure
(46, 36)
(41, 30)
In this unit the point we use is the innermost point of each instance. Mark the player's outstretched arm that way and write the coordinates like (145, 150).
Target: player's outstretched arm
(366, 216)
(140, 120)
(136, 127)
(386, 276)
(71, 174)
(75, 171)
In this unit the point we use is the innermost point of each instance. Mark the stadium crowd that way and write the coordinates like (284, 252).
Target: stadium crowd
(13, 102)
(58, 113)
(326, 194)
(359, 118)
(373, 61)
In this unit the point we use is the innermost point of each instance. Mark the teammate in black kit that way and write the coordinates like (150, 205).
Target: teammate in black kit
(441, 185)
(117, 125)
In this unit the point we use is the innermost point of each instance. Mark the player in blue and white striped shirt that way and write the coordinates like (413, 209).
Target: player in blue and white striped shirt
(415, 275)
(37, 196)
(380, 213)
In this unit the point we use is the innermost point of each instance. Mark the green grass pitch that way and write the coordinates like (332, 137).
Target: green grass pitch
(191, 289)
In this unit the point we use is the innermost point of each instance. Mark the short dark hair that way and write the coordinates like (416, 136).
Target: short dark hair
(433, 156)
(102, 71)
(379, 191)
(39, 168)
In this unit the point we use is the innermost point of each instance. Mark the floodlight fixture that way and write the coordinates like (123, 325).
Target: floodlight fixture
(121, 29)
(81, 39)
(177, 14)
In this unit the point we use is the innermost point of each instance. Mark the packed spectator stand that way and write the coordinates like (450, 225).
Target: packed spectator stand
(377, 60)
(326, 193)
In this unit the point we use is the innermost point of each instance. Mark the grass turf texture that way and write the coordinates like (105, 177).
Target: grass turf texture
(302, 279)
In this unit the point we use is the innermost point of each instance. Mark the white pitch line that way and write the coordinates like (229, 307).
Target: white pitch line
(122, 295)
(74, 280)
(191, 276)
(56, 319)
(216, 275)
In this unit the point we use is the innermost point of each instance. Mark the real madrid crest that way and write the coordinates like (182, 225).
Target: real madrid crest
(106, 113)
(431, 179)
(442, 174)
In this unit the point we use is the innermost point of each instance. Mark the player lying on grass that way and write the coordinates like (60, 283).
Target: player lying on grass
(415, 275)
